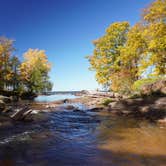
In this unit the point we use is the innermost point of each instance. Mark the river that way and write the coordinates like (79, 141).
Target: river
(83, 138)
(49, 98)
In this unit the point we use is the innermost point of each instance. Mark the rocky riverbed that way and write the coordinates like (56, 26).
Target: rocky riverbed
(83, 131)
(79, 132)
(150, 108)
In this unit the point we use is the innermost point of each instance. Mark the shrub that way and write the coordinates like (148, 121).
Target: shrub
(137, 86)
(107, 101)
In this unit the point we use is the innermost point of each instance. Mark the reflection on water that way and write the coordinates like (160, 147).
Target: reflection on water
(144, 138)
(83, 138)
(134, 142)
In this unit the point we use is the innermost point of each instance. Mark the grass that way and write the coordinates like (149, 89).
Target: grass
(107, 101)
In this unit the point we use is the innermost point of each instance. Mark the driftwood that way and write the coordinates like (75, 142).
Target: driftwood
(21, 114)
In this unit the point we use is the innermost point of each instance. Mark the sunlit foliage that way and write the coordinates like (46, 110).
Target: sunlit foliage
(34, 70)
(105, 60)
(154, 22)
(29, 76)
(6, 50)
(123, 54)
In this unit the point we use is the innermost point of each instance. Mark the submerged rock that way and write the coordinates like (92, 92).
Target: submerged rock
(42, 135)
(162, 121)
(70, 107)
(144, 109)
(117, 105)
(96, 109)
(40, 116)
(5, 122)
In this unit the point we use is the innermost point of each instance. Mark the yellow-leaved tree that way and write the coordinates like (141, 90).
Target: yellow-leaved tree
(34, 71)
(6, 49)
(105, 59)
(124, 54)
(154, 22)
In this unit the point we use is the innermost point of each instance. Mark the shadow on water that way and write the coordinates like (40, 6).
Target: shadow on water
(82, 138)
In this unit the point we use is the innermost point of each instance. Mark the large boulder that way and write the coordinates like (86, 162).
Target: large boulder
(117, 95)
(161, 103)
(70, 107)
(85, 92)
(144, 109)
(132, 102)
(158, 87)
(146, 89)
(2, 106)
(118, 105)
(162, 121)
(123, 107)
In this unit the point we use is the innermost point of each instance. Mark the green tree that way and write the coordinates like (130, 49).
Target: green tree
(124, 55)
(6, 49)
(15, 80)
(105, 59)
(34, 71)
(131, 56)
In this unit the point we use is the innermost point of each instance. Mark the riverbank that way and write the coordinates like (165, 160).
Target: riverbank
(152, 108)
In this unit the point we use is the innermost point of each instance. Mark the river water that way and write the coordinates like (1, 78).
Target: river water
(83, 138)
(50, 98)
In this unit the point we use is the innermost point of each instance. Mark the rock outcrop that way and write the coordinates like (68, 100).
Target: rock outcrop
(5, 99)
(158, 87)
(149, 108)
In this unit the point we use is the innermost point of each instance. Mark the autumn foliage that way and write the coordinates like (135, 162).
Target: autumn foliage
(30, 76)
(124, 54)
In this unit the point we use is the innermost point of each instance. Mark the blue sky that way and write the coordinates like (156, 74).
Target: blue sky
(65, 29)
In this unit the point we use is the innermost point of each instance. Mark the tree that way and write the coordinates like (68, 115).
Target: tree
(15, 80)
(105, 59)
(6, 49)
(154, 22)
(124, 55)
(133, 52)
(34, 70)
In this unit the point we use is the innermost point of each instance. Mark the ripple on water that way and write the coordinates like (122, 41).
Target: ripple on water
(80, 138)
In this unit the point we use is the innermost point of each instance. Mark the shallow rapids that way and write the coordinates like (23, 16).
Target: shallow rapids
(83, 138)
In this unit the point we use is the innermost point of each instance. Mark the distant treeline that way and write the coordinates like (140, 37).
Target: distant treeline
(62, 92)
